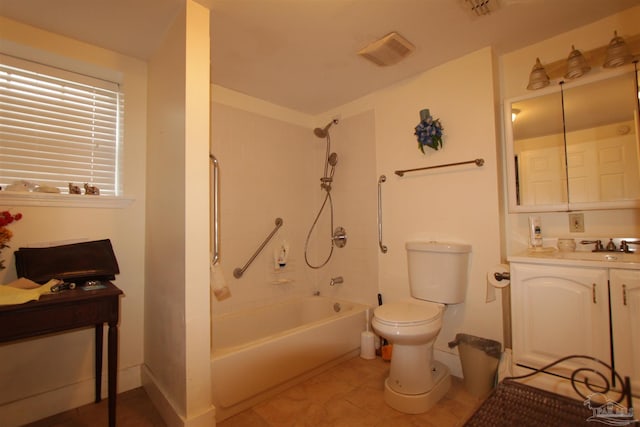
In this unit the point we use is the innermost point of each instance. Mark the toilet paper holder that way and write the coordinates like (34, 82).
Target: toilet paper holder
(505, 275)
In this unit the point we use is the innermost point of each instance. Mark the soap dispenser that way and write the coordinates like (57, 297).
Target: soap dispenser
(281, 255)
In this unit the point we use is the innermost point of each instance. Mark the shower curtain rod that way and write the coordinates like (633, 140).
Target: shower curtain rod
(478, 162)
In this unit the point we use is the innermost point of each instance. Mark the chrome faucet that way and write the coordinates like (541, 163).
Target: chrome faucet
(599, 247)
(624, 245)
(336, 280)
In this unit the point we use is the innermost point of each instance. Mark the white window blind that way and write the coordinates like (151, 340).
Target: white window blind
(58, 127)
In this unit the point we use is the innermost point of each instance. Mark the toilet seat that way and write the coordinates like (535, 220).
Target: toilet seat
(408, 313)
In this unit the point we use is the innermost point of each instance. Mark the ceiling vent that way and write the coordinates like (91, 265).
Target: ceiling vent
(481, 7)
(389, 50)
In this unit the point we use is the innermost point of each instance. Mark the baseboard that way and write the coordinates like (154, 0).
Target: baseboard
(168, 410)
(51, 402)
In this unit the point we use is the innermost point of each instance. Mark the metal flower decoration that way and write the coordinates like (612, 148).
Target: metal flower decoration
(429, 131)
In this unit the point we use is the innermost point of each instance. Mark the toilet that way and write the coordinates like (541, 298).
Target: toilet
(437, 276)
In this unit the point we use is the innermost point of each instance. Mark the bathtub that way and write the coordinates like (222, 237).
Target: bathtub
(258, 352)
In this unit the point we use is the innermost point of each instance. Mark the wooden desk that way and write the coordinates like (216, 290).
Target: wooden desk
(66, 310)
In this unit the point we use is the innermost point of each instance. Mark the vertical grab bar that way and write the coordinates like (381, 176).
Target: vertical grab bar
(216, 202)
(383, 248)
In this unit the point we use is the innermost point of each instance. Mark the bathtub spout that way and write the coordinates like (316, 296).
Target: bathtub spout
(336, 280)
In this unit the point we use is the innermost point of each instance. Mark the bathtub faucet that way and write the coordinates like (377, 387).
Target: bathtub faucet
(336, 280)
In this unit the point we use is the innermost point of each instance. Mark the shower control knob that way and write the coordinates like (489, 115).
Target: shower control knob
(339, 237)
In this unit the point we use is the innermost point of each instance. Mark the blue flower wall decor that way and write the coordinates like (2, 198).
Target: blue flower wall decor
(429, 131)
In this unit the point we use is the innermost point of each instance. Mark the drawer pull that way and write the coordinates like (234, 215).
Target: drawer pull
(624, 294)
(593, 291)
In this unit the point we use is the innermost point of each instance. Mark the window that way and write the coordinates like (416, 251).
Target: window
(59, 127)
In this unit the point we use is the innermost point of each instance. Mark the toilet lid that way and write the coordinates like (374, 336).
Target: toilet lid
(408, 313)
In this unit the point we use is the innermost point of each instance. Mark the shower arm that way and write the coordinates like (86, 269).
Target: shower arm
(216, 201)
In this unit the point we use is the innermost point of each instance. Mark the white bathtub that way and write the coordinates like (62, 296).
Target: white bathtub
(258, 352)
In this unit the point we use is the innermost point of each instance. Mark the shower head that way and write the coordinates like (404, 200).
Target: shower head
(322, 133)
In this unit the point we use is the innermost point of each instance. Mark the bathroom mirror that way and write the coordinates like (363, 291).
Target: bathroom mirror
(575, 146)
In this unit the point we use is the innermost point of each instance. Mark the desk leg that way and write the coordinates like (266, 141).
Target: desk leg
(98, 366)
(113, 371)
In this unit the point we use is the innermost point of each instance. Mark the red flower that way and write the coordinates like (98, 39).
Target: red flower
(5, 234)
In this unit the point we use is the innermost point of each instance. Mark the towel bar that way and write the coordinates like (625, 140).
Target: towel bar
(478, 162)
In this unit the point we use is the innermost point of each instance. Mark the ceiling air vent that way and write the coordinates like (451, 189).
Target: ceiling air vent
(481, 7)
(388, 50)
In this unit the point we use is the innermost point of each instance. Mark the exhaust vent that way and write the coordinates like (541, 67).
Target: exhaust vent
(389, 50)
(481, 7)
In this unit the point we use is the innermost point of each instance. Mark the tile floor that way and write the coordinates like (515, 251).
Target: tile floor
(350, 395)
(134, 410)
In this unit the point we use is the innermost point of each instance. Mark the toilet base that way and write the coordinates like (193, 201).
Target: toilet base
(419, 403)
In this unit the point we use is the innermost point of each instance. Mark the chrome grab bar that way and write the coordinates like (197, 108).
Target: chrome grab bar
(478, 162)
(238, 272)
(383, 248)
(216, 203)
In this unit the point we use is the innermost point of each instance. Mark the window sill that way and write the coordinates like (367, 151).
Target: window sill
(10, 198)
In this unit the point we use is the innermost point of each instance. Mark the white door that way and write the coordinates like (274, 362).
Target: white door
(542, 176)
(559, 311)
(625, 315)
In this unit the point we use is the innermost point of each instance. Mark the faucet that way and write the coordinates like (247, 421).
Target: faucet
(336, 280)
(624, 245)
(599, 247)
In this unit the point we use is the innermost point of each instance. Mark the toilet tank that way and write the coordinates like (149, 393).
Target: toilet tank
(438, 271)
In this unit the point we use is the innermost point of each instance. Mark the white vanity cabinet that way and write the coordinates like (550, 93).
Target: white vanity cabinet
(625, 318)
(558, 311)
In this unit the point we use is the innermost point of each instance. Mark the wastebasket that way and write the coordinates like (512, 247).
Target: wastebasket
(479, 358)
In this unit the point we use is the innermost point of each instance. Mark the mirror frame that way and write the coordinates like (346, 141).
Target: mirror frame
(509, 150)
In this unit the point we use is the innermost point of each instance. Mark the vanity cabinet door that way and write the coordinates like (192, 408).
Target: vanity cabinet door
(558, 311)
(625, 315)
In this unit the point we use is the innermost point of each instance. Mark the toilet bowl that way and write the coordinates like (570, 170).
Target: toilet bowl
(437, 276)
(414, 384)
(408, 322)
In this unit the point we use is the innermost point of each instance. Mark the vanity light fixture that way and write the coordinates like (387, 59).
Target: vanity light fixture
(514, 114)
(538, 77)
(618, 52)
(577, 65)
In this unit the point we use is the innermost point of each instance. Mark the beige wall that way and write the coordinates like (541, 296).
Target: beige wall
(515, 68)
(44, 376)
(176, 336)
(374, 136)
(458, 204)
